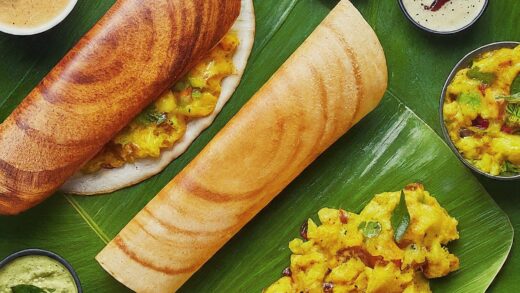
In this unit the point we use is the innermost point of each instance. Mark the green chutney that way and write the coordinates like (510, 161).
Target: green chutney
(37, 270)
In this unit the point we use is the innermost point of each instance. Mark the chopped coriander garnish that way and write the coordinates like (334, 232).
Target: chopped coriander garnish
(370, 229)
(151, 115)
(485, 77)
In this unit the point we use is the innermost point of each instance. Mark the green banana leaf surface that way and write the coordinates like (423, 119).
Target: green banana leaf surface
(399, 143)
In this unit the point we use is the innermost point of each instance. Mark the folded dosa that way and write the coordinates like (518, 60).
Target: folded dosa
(131, 56)
(335, 78)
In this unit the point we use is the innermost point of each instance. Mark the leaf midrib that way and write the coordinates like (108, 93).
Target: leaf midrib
(87, 218)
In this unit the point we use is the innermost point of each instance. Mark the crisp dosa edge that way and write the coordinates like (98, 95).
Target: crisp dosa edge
(334, 79)
(110, 180)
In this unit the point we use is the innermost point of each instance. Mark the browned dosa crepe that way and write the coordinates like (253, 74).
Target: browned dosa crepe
(132, 55)
(109, 180)
(334, 79)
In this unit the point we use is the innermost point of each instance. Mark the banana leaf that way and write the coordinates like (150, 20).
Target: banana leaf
(397, 144)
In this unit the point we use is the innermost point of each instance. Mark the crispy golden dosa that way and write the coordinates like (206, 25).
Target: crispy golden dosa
(132, 55)
(335, 78)
(109, 180)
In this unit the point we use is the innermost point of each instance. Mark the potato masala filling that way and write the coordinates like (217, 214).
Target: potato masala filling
(164, 122)
(395, 244)
(482, 112)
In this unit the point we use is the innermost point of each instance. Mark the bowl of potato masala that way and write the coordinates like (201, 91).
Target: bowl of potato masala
(480, 110)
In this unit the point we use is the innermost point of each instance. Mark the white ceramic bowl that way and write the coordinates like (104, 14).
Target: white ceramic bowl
(13, 30)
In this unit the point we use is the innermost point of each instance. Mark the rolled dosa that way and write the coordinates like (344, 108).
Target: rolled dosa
(334, 79)
(132, 55)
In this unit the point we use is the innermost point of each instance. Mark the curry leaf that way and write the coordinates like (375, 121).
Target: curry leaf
(485, 77)
(370, 229)
(27, 289)
(400, 218)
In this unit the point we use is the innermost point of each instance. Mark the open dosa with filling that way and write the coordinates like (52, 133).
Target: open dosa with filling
(334, 79)
(127, 60)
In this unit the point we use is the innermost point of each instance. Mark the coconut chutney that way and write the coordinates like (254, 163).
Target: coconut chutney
(442, 15)
(30, 13)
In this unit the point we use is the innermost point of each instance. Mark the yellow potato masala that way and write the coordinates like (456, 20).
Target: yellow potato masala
(164, 122)
(482, 112)
(395, 244)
